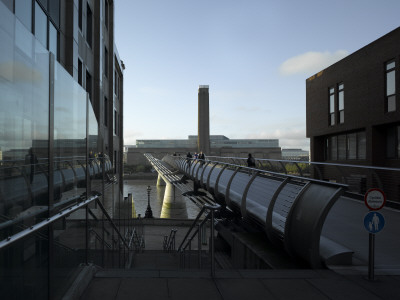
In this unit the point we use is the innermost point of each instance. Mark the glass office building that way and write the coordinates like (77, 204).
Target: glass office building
(57, 156)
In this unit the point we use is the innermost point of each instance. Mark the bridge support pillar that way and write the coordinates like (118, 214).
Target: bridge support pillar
(160, 181)
(173, 206)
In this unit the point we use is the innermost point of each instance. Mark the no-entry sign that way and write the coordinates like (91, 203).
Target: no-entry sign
(375, 199)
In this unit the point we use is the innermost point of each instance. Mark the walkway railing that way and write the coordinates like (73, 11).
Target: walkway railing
(358, 178)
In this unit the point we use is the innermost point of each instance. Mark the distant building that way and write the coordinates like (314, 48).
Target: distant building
(220, 145)
(295, 154)
(210, 145)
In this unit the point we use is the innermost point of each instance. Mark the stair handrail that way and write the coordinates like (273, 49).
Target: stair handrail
(211, 209)
(63, 213)
(169, 241)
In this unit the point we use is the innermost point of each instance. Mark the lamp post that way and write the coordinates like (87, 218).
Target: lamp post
(149, 213)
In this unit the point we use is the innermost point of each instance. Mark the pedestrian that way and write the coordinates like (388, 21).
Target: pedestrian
(189, 159)
(251, 162)
(196, 156)
(202, 158)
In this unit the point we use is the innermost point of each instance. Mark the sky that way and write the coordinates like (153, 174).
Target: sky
(255, 55)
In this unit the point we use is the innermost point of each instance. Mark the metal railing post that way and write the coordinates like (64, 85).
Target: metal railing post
(199, 244)
(212, 244)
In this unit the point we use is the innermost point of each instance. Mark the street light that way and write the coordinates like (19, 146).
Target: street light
(149, 213)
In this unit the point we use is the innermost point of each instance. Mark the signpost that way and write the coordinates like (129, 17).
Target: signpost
(375, 199)
(374, 222)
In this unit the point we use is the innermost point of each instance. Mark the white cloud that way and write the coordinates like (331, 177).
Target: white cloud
(311, 62)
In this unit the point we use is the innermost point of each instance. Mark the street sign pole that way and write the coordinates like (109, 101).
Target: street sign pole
(374, 199)
(371, 257)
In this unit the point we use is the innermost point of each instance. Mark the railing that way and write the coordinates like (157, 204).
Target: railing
(169, 241)
(359, 178)
(197, 229)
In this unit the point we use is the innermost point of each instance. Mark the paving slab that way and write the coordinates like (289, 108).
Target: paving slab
(193, 289)
(238, 289)
(143, 288)
(298, 289)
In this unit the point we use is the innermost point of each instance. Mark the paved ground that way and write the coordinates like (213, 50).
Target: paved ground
(154, 278)
(239, 284)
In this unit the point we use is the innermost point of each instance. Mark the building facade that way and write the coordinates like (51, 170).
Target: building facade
(80, 34)
(220, 145)
(353, 108)
(60, 140)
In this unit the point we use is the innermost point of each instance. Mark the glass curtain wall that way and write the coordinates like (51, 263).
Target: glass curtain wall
(50, 160)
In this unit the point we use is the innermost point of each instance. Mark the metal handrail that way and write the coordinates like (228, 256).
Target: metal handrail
(181, 249)
(309, 162)
(63, 213)
(273, 173)
(99, 238)
(169, 241)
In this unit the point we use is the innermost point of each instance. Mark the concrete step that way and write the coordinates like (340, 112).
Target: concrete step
(160, 260)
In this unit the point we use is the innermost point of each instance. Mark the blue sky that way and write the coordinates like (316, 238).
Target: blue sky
(255, 55)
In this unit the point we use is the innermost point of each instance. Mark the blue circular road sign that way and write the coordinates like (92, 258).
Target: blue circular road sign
(374, 222)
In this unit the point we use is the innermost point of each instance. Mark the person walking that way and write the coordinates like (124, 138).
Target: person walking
(251, 162)
(189, 159)
(202, 158)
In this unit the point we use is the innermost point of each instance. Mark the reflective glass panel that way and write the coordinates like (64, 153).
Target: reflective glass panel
(341, 100)
(390, 83)
(24, 98)
(40, 25)
(342, 147)
(333, 147)
(391, 103)
(361, 145)
(53, 40)
(23, 11)
(390, 65)
(69, 136)
(54, 11)
(332, 103)
(352, 146)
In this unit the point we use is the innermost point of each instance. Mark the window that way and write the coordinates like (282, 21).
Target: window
(9, 4)
(53, 40)
(341, 103)
(89, 23)
(393, 142)
(80, 12)
(390, 86)
(80, 70)
(105, 111)
(352, 146)
(89, 84)
(106, 62)
(361, 145)
(341, 142)
(106, 13)
(115, 122)
(346, 146)
(116, 83)
(40, 25)
(23, 11)
(332, 106)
